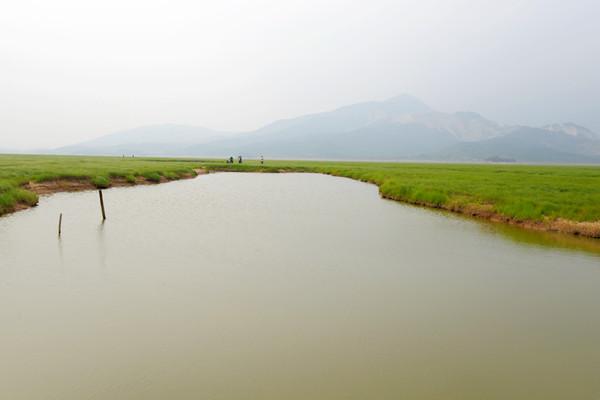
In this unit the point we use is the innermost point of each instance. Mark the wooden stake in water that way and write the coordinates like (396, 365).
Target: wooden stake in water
(102, 205)
(59, 225)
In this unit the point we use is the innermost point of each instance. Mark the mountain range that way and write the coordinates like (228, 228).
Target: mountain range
(400, 128)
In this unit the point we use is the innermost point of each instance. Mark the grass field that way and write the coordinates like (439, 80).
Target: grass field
(18, 170)
(516, 192)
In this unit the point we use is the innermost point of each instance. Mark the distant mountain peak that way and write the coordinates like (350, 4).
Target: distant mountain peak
(410, 104)
(400, 127)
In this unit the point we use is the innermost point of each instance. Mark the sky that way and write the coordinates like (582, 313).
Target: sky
(73, 70)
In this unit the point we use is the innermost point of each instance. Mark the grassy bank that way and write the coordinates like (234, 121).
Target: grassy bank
(555, 198)
(18, 171)
(563, 198)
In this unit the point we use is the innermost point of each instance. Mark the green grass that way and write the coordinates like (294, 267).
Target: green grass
(101, 182)
(520, 192)
(17, 170)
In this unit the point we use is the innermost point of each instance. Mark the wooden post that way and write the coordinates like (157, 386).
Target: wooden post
(102, 205)
(59, 224)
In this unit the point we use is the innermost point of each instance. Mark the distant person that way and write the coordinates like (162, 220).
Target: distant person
(239, 159)
(231, 160)
(262, 159)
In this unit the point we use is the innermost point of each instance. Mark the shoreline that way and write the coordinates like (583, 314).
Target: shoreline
(588, 229)
(563, 226)
(48, 188)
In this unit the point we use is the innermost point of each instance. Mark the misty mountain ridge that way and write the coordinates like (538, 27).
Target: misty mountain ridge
(527, 144)
(572, 129)
(402, 127)
(163, 139)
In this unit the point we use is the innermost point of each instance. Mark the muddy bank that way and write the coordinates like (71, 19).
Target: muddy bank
(590, 229)
(587, 229)
(78, 185)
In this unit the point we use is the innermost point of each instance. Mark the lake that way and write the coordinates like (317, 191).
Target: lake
(289, 286)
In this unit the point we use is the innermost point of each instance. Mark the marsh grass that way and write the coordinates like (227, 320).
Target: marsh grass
(152, 176)
(518, 192)
(18, 170)
(101, 182)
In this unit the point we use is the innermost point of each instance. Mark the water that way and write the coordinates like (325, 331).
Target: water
(288, 286)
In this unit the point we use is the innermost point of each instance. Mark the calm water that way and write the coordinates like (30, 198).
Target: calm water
(288, 286)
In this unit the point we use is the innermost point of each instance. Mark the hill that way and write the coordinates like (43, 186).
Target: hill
(399, 128)
(526, 144)
(166, 139)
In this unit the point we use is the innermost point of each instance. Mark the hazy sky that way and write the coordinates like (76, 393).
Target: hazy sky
(72, 70)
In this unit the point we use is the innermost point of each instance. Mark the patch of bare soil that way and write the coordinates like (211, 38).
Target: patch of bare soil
(78, 185)
(50, 187)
